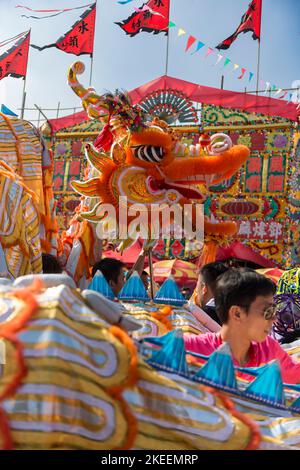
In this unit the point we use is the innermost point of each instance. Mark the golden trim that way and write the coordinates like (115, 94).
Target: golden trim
(186, 129)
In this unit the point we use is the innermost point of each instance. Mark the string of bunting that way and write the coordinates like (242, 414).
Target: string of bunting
(192, 40)
(54, 12)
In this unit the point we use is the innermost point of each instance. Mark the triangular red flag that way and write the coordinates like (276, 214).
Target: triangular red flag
(80, 39)
(251, 21)
(152, 17)
(13, 62)
(190, 42)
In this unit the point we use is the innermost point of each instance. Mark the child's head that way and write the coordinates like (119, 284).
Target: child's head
(244, 301)
(114, 272)
(207, 279)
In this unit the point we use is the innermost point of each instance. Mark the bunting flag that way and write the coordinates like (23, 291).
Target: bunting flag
(209, 51)
(80, 39)
(13, 63)
(5, 110)
(250, 21)
(152, 17)
(242, 74)
(199, 46)
(283, 96)
(181, 32)
(54, 12)
(220, 57)
(190, 42)
(226, 62)
(268, 85)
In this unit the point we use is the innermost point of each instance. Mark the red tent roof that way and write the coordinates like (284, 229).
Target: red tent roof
(129, 256)
(200, 94)
(240, 251)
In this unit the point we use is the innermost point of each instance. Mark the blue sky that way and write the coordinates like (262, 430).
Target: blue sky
(125, 62)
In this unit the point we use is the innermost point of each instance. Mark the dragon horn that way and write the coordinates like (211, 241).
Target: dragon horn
(93, 104)
(98, 160)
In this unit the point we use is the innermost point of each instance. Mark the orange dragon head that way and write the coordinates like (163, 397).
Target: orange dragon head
(136, 158)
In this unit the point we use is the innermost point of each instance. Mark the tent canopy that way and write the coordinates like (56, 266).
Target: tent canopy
(199, 94)
(243, 252)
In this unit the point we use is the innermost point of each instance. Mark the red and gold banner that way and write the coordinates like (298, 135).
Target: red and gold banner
(13, 62)
(152, 17)
(80, 39)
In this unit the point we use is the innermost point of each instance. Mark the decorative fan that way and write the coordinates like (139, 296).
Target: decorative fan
(170, 106)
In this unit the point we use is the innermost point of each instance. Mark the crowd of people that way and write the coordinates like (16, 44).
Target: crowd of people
(238, 301)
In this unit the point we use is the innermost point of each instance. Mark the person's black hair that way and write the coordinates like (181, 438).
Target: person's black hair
(240, 286)
(109, 267)
(290, 336)
(50, 264)
(210, 273)
(145, 273)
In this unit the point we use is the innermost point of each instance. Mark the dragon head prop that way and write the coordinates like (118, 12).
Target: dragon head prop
(137, 158)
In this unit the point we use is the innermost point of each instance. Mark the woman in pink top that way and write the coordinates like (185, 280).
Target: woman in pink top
(244, 303)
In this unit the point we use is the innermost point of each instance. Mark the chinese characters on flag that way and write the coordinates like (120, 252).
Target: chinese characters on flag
(251, 21)
(260, 230)
(13, 62)
(152, 17)
(80, 39)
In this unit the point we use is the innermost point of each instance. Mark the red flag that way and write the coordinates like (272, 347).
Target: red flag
(250, 21)
(153, 16)
(80, 39)
(13, 62)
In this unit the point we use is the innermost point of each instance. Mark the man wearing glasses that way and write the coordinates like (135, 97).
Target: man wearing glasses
(246, 308)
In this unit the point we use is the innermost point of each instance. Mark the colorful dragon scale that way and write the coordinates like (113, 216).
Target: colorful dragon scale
(72, 381)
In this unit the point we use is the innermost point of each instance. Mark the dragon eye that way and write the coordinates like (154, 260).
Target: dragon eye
(149, 153)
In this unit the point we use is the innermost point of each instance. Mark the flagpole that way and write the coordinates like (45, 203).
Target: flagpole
(258, 67)
(167, 52)
(91, 73)
(258, 52)
(168, 40)
(23, 98)
(92, 54)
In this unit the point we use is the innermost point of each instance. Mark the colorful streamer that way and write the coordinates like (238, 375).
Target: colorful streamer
(199, 46)
(242, 74)
(209, 52)
(181, 32)
(55, 12)
(190, 42)
(226, 62)
(220, 57)
(147, 8)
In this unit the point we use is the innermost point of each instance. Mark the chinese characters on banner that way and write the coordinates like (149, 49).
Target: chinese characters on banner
(260, 230)
(13, 62)
(152, 17)
(80, 39)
